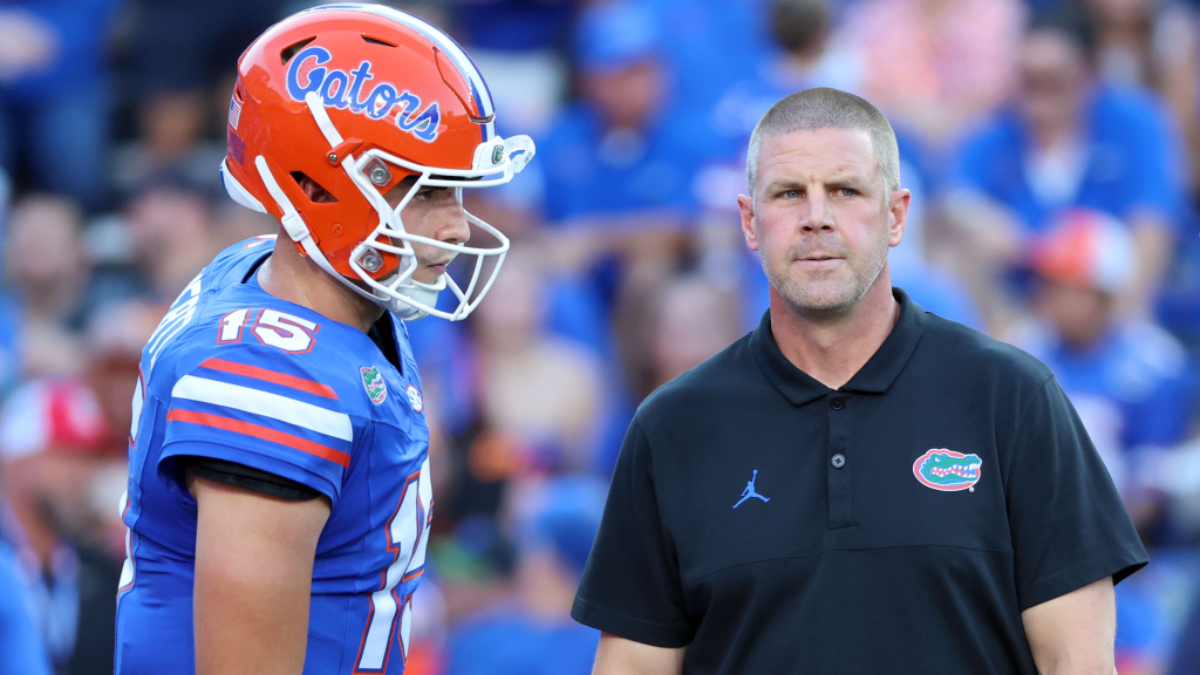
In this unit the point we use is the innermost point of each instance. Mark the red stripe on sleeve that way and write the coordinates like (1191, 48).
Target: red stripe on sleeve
(258, 431)
(270, 376)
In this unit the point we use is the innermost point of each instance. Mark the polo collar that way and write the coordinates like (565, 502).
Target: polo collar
(875, 377)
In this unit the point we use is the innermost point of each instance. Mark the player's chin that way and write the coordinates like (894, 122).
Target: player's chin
(429, 274)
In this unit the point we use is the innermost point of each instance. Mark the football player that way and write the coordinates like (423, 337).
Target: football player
(279, 493)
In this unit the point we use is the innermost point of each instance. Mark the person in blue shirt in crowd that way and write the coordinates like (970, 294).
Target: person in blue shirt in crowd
(1067, 140)
(54, 93)
(1131, 382)
(617, 176)
(710, 44)
(519, 44)
(532, 634)
(20, 642)
(615, 154)
(804, 54)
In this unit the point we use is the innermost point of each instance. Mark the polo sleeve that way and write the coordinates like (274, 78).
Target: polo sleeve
(1068, 524)
(630, 586)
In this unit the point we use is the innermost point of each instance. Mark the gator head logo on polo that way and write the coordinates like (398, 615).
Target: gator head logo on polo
(946, 470)
(373, 382)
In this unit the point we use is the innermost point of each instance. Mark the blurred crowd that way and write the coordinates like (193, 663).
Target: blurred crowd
(1053, 151)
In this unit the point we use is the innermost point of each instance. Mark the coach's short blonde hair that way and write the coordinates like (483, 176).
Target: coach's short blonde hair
(825, 108)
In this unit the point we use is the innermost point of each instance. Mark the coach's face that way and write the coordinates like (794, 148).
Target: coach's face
(822, 217)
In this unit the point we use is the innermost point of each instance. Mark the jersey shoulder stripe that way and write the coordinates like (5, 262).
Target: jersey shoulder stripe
(259, 431)
(266, 404)
(274, 377)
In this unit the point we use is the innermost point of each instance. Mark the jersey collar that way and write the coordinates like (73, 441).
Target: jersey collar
(875, 377)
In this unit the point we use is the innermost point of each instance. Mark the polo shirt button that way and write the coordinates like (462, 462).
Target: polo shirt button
(837, 404)
(838, 461)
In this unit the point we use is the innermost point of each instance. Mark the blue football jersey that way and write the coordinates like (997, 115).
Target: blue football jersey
(235, 374)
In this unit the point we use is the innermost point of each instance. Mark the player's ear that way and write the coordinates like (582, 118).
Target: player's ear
(749, 223)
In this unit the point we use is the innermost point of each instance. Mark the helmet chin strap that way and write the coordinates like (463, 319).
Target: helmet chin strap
(426, 294)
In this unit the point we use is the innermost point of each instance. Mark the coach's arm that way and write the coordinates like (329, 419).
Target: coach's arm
(1074, 634)
(619, 656)
(254, 562)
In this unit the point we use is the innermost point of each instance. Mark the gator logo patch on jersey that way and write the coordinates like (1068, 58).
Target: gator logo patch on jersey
(373, 382)
(946, 470)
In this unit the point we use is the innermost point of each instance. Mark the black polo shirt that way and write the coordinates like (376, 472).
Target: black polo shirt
(900, 524)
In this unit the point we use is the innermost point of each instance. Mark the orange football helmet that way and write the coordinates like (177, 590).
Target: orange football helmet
(357, 98)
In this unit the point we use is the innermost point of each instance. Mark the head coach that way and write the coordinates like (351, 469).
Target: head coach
(857, 486)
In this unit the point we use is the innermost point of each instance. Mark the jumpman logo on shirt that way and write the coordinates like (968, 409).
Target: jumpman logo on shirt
(750, 491)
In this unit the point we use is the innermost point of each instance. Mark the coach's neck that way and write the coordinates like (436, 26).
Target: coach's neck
(832, 347)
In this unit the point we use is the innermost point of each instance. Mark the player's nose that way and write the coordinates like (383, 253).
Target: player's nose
(453, 226)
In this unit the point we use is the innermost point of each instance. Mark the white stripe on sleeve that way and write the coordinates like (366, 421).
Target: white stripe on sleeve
(282, 408)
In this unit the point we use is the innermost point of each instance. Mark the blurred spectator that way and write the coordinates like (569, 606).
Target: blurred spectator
(9, 361)
(20, 642)
(47, 271)
(54, 94)
(180, 45)
(1172, 476)
(614, 154)
(539, 390)
(234, 224)
(693, 320)
(1130, 381)
(183, 64)
(1187, 654)
(59, 437)
(518, 46)
(173, 238)
(5, 196)
(617, 175)
(170, 148)
(427, 642)
(1155, 44)
(113, 342)
(531, 633)
(936, 66)
(46, 261)
(708, 45)
(1066, 141)
(537, 401)
(807, 56)
(52, 440)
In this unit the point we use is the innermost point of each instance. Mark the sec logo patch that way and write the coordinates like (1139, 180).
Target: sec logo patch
(414, 398)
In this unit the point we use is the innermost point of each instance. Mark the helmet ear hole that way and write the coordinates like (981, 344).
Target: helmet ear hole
(315, 192)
